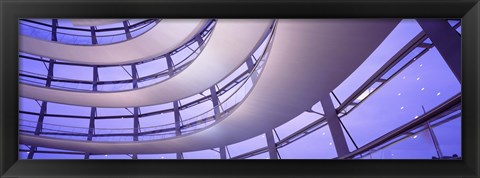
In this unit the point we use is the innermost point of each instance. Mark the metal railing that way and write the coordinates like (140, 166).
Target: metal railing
(118, 85)
(73, 35)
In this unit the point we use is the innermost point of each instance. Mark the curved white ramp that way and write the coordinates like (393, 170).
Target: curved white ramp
(232, 41)
(94, 22)
(164, 37)
(308, 59)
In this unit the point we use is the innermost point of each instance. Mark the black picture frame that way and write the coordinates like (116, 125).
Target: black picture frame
(11, 11)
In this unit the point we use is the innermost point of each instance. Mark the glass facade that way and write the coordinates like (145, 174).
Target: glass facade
(402, 102)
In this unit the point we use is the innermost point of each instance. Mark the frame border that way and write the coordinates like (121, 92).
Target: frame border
(11, 11)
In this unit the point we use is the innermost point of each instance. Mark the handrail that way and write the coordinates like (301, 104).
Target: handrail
(133, 28)
(122, 33)
(87, 30)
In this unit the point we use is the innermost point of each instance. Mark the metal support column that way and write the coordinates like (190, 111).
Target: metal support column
(54, 29)
(43, 109)
(250, 67)
(176, 111)
(272, 147)
(334, 125)
(176, 108)
(169, 65)
(93, 110)
(215, 102)
(223, 152)
(127, 29)
(216, 110)
(435, 141)
(448, 42)
(93, 34)
(199, 39)
(136, 121)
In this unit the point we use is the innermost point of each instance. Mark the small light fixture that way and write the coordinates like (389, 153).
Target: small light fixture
(401, 107)
(438, 93)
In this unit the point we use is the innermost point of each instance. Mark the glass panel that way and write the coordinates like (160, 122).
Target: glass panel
(147, 109)
(426, 83)
(66, 72)
(56, 156)
(401, 35)
(114, 111)
(157, 156)
(107, 156)
(296, 124)
(232, 76)
(152, 67)
(417, 146)
(157, 120)
(449, 137)
(57, 108)
(114, 73)
(260, 156)
(197, 110)
(320, 146)
(33, 67)
(30, 105)
(247, 145)
(204, 154)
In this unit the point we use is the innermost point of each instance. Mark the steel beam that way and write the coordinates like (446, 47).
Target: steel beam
(127, 29)
(335, 127)
(93, 110)
(136, 121)
(216, 109)
(223, 152)
(447, 41)
(176, 108)
(169, 64)
(93, 34)
(410, 46)
(250, 67)
(272, 147)
(199, 39)
(435, 141)
(43, 108)
(215, 102)
(54, 29)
